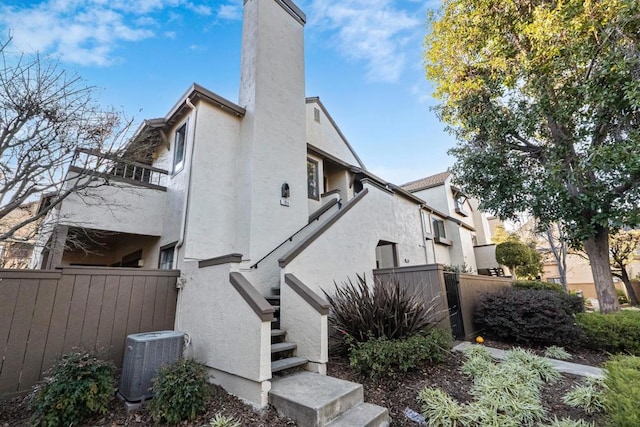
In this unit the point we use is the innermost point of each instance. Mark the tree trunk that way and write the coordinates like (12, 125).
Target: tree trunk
(633, 299)
(597, 249)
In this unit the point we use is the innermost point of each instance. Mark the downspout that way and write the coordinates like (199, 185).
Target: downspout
(185, 208)
(424, 236)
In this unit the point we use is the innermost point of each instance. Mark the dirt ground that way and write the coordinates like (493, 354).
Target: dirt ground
(396, 394)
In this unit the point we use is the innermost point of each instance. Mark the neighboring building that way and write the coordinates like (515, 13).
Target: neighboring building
(461, 231)
(17, 251)
(248, 198)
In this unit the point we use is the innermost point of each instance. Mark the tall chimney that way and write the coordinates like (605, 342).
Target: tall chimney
(273, 133)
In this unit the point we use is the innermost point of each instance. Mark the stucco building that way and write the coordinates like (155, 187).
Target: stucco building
(254, 199)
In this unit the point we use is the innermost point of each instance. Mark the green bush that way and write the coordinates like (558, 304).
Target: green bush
(622, 380)
(573, 302)
(588, 396)
(180, 392)
(383, 357)
(614, 332)
(622, 297)
(539, 285)
(77, 386)
(384, 311)
(527, 316)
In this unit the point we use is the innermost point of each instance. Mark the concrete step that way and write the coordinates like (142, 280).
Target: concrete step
(288, 363)
(313, 400)
(273, 299)
(282, 347)
(278, 333)
(362, 415)
(275, 290)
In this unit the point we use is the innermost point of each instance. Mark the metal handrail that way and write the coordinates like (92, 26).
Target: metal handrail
(290, 238)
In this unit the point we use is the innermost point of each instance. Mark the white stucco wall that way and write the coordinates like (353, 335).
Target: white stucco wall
(224, 332)
(211, 217)
(304, 325)
(176, 183)
(273, 132)
(117, 207)
(325, 136)
(348, 247)
(486, 256)
(267, 275)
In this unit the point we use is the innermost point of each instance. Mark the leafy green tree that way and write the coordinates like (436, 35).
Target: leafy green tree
(544, 99)
(623, 246)
(522, 260)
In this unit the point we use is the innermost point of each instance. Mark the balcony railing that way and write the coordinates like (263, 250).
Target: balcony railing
(107, 165)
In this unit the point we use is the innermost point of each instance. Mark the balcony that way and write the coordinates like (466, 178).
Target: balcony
(114, 194)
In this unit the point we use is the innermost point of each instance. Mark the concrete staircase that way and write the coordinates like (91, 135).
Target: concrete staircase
(282, 352)
(314, 400)
(310, 399)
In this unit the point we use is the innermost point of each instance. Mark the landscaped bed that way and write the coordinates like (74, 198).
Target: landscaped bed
(401, 392)
(396, 394)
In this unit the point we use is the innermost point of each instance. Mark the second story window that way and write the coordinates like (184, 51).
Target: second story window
(313, 184)
(179, 148)
(438, 229)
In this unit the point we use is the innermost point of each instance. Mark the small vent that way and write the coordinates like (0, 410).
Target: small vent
(144, 354)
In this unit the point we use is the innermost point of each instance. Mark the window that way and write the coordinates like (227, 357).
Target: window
(386, 255)
(179, 148)
(313, 189)
(439, 234)
(316, 115)
(166, 257)
(438, 228)
(459, 201)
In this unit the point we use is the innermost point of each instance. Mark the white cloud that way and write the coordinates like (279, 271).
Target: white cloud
(87, 32)
(374, 31)
(231, 12)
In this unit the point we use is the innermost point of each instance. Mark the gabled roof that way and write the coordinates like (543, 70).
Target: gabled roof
(316, 100)
(428, 182)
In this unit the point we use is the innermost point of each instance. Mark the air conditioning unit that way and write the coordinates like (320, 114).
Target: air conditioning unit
(144, 354)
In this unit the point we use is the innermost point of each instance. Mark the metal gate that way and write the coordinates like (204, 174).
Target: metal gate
(453, 301)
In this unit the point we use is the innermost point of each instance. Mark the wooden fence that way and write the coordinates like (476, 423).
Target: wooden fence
(429, 281)
(471, 288)
(46, 313)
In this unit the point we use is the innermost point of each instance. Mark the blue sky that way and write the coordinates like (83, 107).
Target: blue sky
(363, 59)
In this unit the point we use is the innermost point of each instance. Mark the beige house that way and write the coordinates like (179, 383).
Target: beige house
(17, 251)
(261, 204)
(460, 231)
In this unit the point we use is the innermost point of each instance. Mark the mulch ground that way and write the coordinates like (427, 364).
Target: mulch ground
(396, 394)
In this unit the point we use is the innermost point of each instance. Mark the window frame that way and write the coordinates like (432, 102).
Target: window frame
(178, 165)
(165, 249)
(316, 178)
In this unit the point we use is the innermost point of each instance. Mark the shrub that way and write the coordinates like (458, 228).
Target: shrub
(540, 367)
(180, 391)
(538, 285)
(622, 297)
(220, 420)
(528, 316)
(622, 381)
(555, 352)
(386, 311)
(568, 422)
(441, 409)
(478, 361)
(77, 386)
(383, 357)
(614, 332)
(589, 396)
